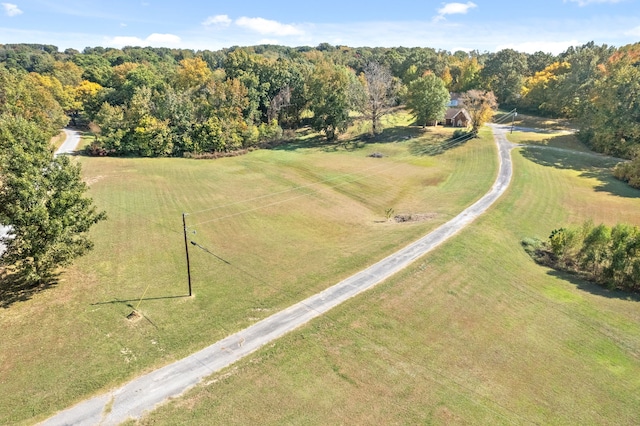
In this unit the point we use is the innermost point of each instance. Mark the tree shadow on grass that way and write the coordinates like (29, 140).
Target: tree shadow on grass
(432, 148)
(314, 141)
(594, 288)
(390, 135)
(589, 164)
(15, 287)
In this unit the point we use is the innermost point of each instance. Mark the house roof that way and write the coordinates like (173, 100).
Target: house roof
(454, 112)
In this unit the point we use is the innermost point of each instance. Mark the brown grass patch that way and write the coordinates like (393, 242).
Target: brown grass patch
(414, 217)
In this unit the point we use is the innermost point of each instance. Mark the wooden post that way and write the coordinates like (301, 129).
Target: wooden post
(186, 248)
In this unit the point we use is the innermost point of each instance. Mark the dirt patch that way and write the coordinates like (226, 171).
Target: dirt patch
(134, 316)
(413, 217)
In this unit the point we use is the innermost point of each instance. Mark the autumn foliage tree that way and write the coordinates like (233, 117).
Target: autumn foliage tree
(539, 92)
(613, 123)
(481, 106)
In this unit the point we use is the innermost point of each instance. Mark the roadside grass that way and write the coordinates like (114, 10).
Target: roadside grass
(289, 222)
(86, 138)
(58, 140)
(398, 126)
(549, 139)
(537, 122)
(475, 333)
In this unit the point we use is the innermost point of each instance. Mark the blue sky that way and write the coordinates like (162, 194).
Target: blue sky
(547, 25)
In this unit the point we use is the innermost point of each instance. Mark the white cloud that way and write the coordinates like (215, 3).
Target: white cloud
(588, 2)
(163, 39)
(155, 39)
(222, 20)
(11, 9)
(634, 32)
(121, 41)
(268, 41)
(266, 26)
(454, 9)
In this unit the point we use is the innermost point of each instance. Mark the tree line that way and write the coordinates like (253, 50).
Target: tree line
(159, 101)
(41, 197)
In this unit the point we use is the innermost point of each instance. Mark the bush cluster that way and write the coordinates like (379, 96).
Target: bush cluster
(606, 255)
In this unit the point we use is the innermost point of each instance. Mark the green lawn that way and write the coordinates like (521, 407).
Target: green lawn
(475, 333)
(536, 122)
(289, 222)
(549, 139)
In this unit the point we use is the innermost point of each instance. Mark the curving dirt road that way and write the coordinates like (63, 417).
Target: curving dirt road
(68, 147)
(144, 393)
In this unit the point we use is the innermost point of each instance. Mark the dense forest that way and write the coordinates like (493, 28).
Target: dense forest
(176, 102)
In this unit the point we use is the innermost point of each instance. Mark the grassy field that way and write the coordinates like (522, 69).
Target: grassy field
(475, 333)
(288, 222)
(536, 122)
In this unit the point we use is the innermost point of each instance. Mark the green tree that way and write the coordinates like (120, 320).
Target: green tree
(329, 98)
(42, 200)
(504, 74)
(68, 73)
(606, 255)
(25, 95)
(594, 254)
(629, 171)
(574, 89)
(465, 74)
(624, 268)
(427, 99)
(95, 68)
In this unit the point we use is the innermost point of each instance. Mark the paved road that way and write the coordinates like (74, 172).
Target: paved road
(70, 143)
(68, 147)
(145, 392)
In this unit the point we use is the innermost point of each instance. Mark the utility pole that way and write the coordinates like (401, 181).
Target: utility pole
(186, 248)
(513, 118)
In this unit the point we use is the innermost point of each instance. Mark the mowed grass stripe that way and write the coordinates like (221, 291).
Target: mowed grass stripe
(475, 334)
(74, 340)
